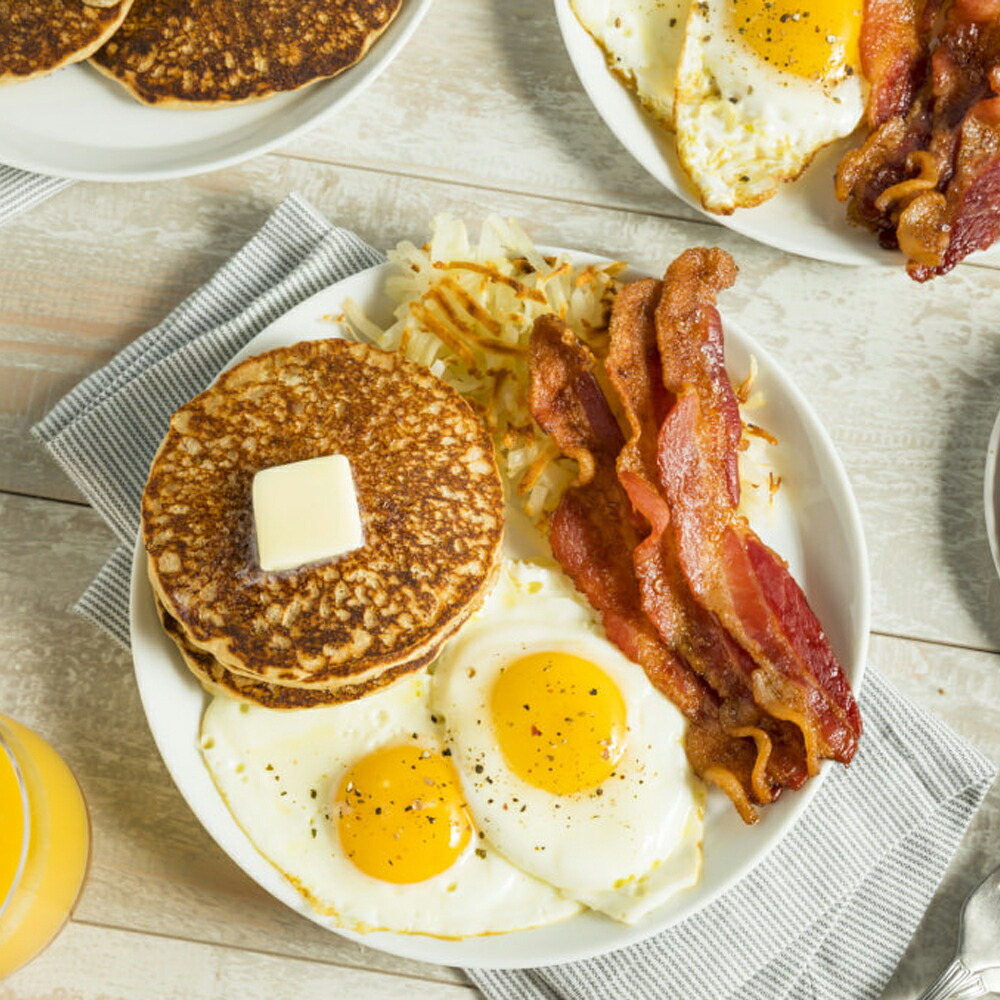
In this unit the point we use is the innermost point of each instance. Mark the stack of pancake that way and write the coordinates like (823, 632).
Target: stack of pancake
(432, 510)
(193, 53)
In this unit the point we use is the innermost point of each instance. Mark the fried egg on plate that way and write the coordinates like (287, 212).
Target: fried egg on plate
(761, 86)
(572, 764)
(359, 806)
(641, 41)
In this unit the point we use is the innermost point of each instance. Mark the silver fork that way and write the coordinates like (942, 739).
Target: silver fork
(975, 969)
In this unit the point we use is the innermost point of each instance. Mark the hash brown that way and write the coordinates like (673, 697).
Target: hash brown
(210, 53)
(431, 500)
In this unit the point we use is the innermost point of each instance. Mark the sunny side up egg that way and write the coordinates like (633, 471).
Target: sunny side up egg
(572, 764)
(359, 806)
(761, 86)
(641, 41)
(443, 806)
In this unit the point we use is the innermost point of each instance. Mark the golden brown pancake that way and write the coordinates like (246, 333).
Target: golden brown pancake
(40, 36)
(216, 679)
(206, 53)
(431, 500)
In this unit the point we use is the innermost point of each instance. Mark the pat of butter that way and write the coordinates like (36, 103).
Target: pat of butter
(305, 512)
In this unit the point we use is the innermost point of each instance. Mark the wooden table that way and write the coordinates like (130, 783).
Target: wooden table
(481, 112)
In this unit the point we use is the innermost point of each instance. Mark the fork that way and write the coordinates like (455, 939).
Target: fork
(975, 969)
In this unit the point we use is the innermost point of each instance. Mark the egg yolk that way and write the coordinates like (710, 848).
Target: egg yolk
(401, 815)
(560, 721)
(812, 40)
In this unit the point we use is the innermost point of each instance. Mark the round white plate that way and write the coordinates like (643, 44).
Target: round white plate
(78, 123)
(816, 526)
(803, 218)
(991, 492)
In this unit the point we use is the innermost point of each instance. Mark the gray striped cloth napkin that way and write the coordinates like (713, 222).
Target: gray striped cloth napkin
(21, 190)
(826, 915)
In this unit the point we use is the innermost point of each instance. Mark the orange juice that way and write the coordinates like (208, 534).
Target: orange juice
(44, 844)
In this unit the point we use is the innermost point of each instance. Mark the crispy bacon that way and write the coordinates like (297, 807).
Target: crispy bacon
(593, 534)
(927, 178)
(730, 571)
(893, 56)
(689, 629)
(651, 534)
(967, 216)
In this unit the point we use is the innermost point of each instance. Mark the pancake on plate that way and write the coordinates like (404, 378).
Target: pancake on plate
(213, 53)
(40, 36)
(216, 679)
(432, 511)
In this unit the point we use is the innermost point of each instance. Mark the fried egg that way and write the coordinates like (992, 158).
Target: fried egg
(572, 764)
(360, 807)
(761, 86)
(641, 41)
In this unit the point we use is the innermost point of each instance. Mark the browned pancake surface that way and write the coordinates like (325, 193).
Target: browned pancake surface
(431, 503)
(216, 679)
(210, 52)
(39, 36)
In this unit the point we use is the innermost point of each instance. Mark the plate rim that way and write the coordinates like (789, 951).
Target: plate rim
(440, 951)
(357, 78)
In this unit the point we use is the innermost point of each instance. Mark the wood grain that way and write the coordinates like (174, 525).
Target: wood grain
(905, 378)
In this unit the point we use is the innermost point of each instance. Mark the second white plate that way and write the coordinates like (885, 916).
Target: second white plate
(804, 218)
(79, 124)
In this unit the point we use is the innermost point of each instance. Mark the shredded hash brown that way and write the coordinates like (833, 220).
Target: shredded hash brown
(465, 310)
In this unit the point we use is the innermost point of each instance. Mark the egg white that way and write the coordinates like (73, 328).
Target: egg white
(623, 847)
(641, 41)
(743, 126)
(278, 771)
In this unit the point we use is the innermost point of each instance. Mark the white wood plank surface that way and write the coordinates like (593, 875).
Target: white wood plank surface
(111, 964)
(482, 112)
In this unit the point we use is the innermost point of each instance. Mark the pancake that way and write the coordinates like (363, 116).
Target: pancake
(209, 53)
(216, 679)
(40, 36)
(431, 501)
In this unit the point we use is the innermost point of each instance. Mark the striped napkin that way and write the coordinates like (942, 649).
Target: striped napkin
(826, 915)
(21, 190)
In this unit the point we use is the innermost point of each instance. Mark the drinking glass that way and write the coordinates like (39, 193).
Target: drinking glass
(44, 844)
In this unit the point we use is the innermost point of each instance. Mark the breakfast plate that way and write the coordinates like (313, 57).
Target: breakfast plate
(804, 218)
(815, 525)
(77, 123)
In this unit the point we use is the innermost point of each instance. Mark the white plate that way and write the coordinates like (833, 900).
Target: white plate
(78, 123)
(817, 528)
(803, 218)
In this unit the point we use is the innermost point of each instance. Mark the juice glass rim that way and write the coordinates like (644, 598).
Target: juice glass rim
(6, 750)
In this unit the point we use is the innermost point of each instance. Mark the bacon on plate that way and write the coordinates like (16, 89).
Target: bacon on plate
(729, 569)
(651, 534)
(593, 534)
(927, 177)
(690, 629)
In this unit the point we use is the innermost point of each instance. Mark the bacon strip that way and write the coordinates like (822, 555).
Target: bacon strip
(593, 534)
(927, 178)
(651, 534)
(894, 54)
(691, 631)
(729, 570)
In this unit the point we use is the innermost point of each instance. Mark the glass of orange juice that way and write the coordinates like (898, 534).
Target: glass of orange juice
(44, 844)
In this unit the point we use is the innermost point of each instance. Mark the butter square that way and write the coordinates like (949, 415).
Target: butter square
(305, 512)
